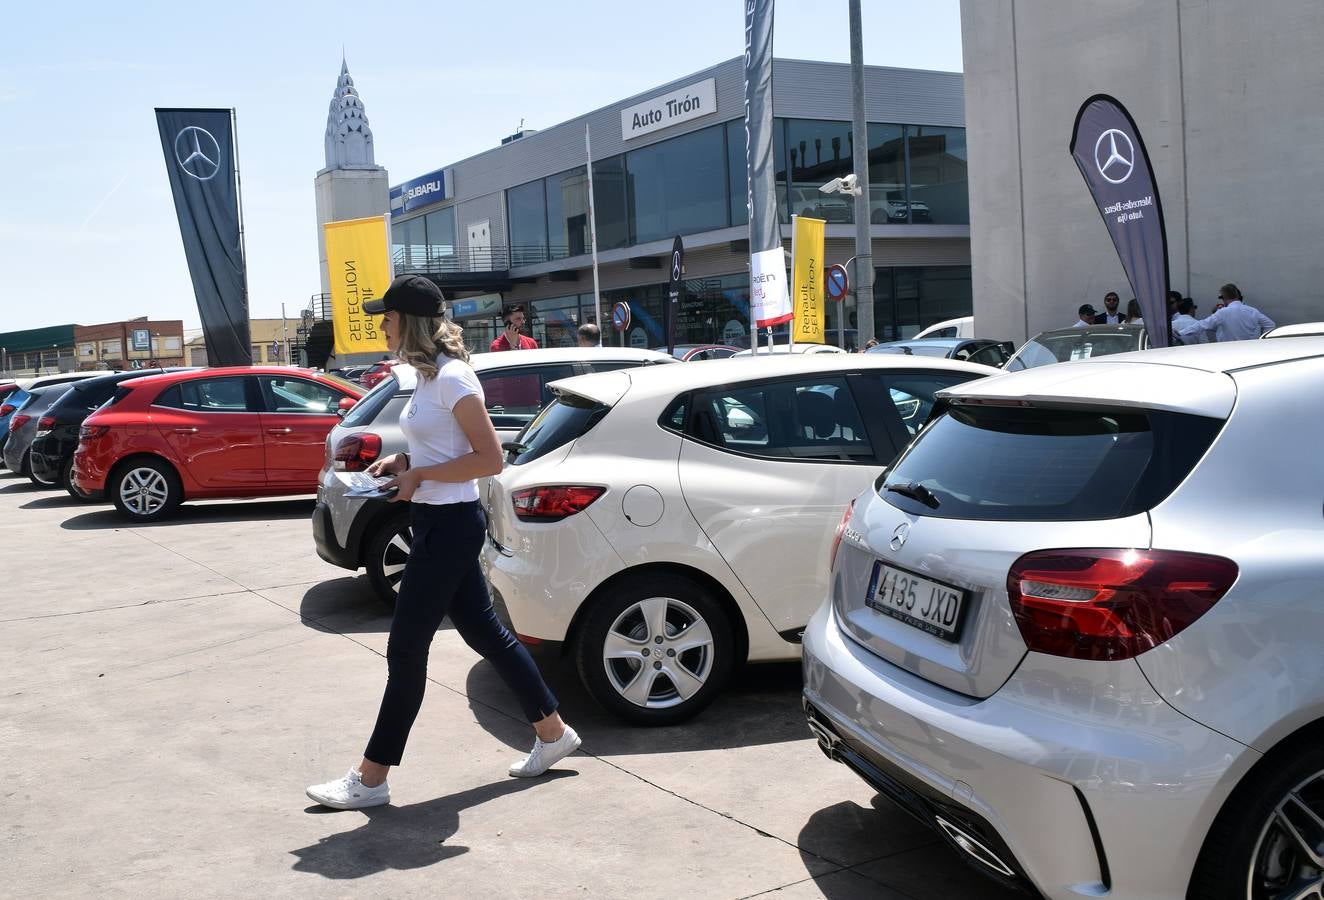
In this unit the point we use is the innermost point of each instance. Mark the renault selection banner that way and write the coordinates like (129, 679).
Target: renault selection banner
(807, 280)
(767, 261)
(1111, 156)
(358, 261)
(200, 160)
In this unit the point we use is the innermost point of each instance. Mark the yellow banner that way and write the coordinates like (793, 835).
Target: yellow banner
(807, 281)
(358, 261)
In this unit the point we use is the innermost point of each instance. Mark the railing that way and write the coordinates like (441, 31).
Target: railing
(417, 259)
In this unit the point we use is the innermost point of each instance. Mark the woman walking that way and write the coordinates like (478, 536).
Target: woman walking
(451, 445)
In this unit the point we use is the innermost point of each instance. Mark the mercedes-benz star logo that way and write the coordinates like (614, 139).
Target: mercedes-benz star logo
(675, 267)
(1114, 155)
(899, 536)
(198, 153)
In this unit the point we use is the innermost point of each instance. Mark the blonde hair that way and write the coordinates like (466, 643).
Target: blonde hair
(424, 338)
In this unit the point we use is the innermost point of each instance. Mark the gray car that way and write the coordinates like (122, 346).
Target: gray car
(356, 533)
(23, 426)
(1076, 627)
(1072, 344)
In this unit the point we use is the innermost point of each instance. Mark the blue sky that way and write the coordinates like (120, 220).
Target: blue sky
(87, 225)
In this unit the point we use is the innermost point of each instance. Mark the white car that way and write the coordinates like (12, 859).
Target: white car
(801, 348)
(1300, 329)
(963, 327)
(1076, 628)
(671, 522)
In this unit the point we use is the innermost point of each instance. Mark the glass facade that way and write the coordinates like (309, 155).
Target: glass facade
(936, 161)
(712, 311)
(526, 217)
(424, 242)
(678, 186)
(909, 298)
(737, 172)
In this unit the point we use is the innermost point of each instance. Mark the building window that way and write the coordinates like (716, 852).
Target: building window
(937, 163)
(567, 213)
(439, 234)
(820, 151)
(678, 186)
(908, 298)
(712, 311)
(737, 169)
(610, 209)
(887, 175)
(409, 243)
(526, 213)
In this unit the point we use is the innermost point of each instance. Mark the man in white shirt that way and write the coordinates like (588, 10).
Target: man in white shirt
(1086, 315)
(1233, 321)
(1184, 319)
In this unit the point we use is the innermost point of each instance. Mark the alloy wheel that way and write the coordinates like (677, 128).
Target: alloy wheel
(1288, 860)
(144, 491)
(394, 556)
(658, 653)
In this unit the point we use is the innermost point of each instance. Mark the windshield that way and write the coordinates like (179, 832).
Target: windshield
(1054, 348)
(1038, 464)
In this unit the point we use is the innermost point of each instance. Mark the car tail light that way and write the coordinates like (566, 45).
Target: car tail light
(1107, 604)
(841, 529)
(92, 432)
(7, 408)
(18, 422)
(553, 502)
(45, 424)
(358, 451)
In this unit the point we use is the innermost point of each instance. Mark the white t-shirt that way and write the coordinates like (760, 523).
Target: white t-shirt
(433, 433)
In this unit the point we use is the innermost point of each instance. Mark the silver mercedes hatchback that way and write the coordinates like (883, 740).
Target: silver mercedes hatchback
(1077, 626)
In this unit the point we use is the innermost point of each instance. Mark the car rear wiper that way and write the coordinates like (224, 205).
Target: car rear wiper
(915, 491)
(514, 447)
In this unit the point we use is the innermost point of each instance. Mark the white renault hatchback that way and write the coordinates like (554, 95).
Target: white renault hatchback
(1077, 627)
(671, 522)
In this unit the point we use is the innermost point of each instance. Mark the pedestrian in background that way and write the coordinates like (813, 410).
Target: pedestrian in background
(1184, 319)
(1233, 320)
(1133, 316)
(1111, 315)
(451, 444)
(589, 335)
(1085, 316)
(510, 338)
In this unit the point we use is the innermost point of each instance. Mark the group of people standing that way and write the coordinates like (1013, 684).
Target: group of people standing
(513, 338)
(1232, 318)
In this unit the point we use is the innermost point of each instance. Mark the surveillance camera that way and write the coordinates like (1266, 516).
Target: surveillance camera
(832, 187)
(848, 183)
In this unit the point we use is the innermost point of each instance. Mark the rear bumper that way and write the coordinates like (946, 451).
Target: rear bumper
(48, 458)
(13, 454)
(324, 536)
(1050, 775)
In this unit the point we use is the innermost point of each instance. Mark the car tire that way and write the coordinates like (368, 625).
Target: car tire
(388, 551)
(1249, 852)
(652, 678)
(144, 489)
(67, 480)
(32, 476)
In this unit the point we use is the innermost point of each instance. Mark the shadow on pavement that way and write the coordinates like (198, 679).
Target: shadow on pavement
(761, 705)
(346, 605)
(62, 500)
(197, 513)
(404, 837)
(21, 484)
(902, 853)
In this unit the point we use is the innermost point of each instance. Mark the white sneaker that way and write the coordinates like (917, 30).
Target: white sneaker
(544, 756)
(349, 793)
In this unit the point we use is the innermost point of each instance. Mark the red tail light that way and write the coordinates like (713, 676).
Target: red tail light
(836, 535)
(7, 408)
(1112, 604)
(552, 502)
(358, 451)
(46, 423)
(92, 432)
(17, 422)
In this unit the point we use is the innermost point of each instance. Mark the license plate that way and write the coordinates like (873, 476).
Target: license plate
(930, 606)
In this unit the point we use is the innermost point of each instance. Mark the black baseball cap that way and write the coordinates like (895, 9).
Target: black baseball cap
(1085, 310)
(411, 294)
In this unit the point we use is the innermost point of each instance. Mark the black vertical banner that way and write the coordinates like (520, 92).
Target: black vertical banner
(674, 290)
(1107, 148)
(199, 154)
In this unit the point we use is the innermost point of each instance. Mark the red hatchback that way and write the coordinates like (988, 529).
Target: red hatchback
(240, 432)
(377, 372)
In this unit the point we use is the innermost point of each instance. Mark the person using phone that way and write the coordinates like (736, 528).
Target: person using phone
(511, 337)
(451, 444)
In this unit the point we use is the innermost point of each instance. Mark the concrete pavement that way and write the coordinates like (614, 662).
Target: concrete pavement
(169, 690)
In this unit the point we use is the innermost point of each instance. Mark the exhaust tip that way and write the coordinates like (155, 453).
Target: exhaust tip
(974, 848)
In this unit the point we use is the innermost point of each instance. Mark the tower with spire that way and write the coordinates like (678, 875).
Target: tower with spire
(352, 186)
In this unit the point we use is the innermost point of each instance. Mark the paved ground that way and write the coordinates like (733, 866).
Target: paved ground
(169, 690)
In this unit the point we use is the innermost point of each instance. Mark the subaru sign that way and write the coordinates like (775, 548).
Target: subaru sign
(425, 190)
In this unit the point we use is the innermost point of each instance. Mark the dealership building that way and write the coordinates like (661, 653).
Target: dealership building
(511, 225)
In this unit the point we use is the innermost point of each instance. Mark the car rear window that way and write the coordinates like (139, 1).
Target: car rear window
(1057, 348)
(1046, 465)
(560, 422)
(365, 412)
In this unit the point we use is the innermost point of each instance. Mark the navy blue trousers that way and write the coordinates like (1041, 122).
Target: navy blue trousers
(442, 577)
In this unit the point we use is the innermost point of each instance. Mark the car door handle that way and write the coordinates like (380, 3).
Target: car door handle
(279, 430)
(186, 431)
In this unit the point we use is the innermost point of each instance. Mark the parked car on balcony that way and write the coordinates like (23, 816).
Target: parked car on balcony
(52, 455)
(1076, 626)
(252, 431)
(666, 525)
(357, 533)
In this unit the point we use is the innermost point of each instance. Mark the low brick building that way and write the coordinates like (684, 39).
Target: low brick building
(132, 344)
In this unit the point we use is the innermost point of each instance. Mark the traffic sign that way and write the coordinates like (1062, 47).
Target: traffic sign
(837, 283)
(620, 316)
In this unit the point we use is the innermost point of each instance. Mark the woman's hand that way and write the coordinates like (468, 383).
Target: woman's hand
(407, 482)
(389, 465)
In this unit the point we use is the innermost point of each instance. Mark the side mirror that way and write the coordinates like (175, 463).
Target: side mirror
(345, 405)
